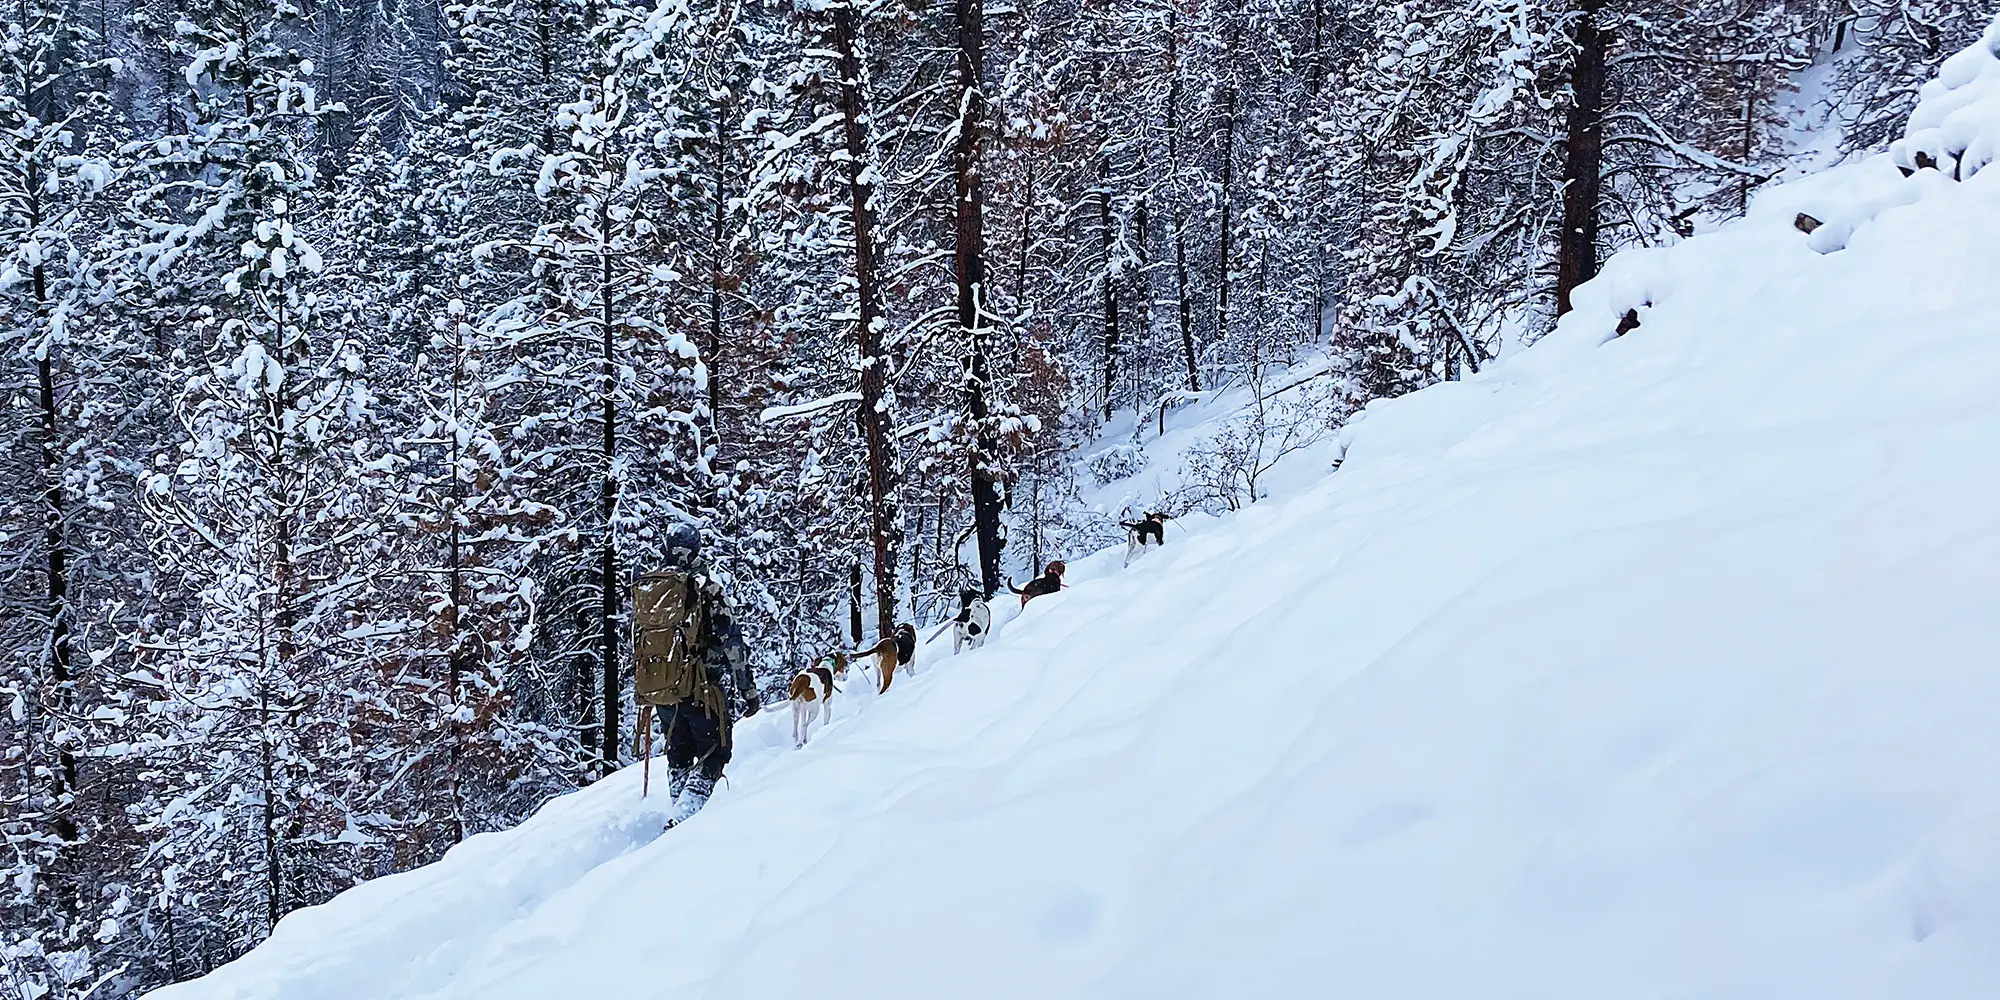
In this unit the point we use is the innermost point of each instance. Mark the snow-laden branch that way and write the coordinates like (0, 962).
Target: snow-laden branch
(1681, 149)
(773, 414)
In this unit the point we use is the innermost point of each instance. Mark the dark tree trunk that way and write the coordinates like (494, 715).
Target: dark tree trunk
(1319, 295)
(1142, 361)
(1027, 240)
(718, 246)
(607, 559)
(274, 874)
(854, 630)
(545, 15)
(55, 549)
(1749, 137)
(969, 256)
(1314, 67)
(1184, 303)
(1576, 250)
(279, 617)
(1228, 152)
(885, 527)
(459, 645)
(1108, 279)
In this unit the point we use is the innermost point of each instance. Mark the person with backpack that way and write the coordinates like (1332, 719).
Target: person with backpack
(692, 669)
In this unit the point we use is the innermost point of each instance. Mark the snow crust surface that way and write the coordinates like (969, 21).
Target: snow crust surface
(1656, 666)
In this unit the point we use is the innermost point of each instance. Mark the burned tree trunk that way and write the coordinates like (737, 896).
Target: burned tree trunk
(969, 256)
(885, 524)
(1576, 249)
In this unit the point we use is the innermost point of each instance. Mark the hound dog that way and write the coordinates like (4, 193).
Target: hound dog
(970, 625)
(1150, 530)
(1048, 583)
(892, 651)
(812, 695)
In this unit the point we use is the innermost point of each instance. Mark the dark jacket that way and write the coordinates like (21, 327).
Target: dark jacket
(727, 659)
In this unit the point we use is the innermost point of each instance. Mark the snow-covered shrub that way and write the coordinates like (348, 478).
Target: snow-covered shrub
(1226, 472)
(1118, 462)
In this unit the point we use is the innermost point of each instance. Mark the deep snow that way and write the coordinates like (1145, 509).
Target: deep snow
(1657, 666)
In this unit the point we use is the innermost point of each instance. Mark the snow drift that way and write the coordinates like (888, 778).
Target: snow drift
(1650, 666)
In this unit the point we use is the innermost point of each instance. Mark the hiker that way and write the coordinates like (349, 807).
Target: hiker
(692, 668)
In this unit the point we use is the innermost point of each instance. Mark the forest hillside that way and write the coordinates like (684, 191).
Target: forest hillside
(1524, 378)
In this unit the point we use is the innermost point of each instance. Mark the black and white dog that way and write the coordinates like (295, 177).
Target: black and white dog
(973, 621)
(1147, 532)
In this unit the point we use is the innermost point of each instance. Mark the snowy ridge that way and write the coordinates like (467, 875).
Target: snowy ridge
(1656, 666)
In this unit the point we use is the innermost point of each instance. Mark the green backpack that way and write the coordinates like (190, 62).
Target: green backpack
(669, 636)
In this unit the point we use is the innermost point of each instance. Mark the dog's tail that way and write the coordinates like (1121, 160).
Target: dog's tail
(1011, 586)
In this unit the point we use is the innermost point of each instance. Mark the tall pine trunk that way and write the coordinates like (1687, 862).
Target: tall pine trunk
(1228, 152)
(885, 522)
(969, 256)
(458, 645)
(1184, 303)
(1109, 298)
(1583, 168)
(718, 246)
(55, 544)
(607, 558)
(1142, 336)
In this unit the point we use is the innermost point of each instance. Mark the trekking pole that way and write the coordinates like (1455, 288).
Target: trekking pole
(949, 622)
(646, 768)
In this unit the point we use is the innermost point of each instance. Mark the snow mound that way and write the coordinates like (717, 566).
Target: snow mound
(1654, 665)
(1955, 128)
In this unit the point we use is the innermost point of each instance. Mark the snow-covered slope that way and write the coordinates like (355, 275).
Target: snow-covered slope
(1658, 666)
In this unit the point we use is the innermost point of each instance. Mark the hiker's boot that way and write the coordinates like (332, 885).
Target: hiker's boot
(691, 799)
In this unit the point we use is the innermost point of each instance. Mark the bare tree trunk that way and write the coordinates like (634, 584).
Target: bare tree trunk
(1319, 295)
(718, 246)
(1576, 250)
(1185, 304)
(1107, 278)
(607, 561)
(1143, 338)
(1749, 136)
(1228, 151)
(545, 15)
(459, 647)
(1314, 66)
(279, 616)
(886, 524)
(274, 878)
(854, 630)
(55, 547)
(969, 256)
(1027, 237)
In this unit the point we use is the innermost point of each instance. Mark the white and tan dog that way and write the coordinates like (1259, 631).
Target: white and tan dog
(898, 649)
(812, 695)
